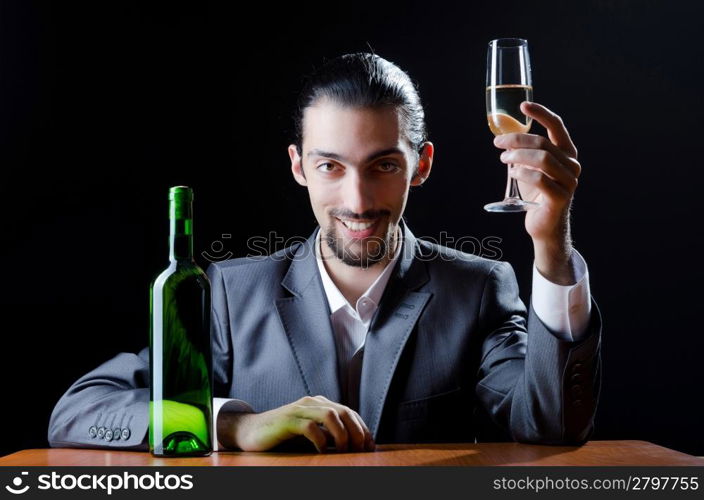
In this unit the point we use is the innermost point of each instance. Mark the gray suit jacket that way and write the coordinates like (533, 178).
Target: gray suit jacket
(452, 354)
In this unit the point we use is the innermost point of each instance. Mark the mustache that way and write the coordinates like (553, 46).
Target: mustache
(369, 214)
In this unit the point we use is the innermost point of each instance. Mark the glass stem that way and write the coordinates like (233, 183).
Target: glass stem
(512, 191)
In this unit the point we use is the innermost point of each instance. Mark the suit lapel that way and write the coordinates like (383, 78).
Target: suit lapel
(391, 327)
(306, 319)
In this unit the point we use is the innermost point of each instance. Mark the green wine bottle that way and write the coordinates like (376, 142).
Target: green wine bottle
(180, 406)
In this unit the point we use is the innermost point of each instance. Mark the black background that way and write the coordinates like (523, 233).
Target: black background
(104, 105)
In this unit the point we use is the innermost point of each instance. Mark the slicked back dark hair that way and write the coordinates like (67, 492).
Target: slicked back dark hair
(364, 80)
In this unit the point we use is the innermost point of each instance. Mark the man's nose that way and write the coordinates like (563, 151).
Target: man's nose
(357, 193)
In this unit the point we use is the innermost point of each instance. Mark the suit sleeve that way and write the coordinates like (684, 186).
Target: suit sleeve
(536, 386)
(106, 408)
(115, 396)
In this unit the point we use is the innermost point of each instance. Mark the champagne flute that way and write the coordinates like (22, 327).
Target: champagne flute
(508, 84)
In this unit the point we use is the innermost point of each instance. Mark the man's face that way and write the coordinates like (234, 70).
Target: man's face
(357, 166)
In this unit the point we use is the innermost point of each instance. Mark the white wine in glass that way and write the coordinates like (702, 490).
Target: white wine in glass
(508, 84)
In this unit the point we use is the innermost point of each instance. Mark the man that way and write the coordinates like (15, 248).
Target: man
(365, 334)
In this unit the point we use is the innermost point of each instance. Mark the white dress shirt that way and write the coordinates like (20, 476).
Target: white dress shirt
(563, 309)
(350, 324)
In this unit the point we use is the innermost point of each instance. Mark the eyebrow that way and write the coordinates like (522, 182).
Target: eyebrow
(371, 157)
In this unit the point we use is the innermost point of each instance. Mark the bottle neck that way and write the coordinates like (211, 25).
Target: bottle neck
(180, 230)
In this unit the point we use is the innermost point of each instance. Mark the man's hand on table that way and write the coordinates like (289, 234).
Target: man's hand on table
(317, 419)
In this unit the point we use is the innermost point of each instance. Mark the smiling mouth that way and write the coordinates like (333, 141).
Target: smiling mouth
(357, 225)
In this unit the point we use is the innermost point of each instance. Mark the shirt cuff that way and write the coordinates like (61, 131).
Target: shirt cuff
(231, 405)
(564, 309)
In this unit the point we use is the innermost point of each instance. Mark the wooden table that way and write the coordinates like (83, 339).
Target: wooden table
(593, 453)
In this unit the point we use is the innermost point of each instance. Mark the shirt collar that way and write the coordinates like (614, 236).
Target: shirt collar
(335, 298)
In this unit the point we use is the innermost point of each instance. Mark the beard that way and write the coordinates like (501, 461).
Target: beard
(359, 253)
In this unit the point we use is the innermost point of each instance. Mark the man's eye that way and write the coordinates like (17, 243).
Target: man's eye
(388, 167)
(326, 167)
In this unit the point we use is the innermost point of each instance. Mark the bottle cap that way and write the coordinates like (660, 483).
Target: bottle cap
(181, 193)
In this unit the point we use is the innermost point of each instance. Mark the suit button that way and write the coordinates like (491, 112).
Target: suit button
(576, 391)
(576, 378)
(116, 434)
(108, 435)
(576, 367)
(93, 431)
(577, 403)
(101, 432)
(125, 434)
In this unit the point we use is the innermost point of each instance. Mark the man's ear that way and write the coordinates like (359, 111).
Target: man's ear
(425, 164)
(297, 165)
